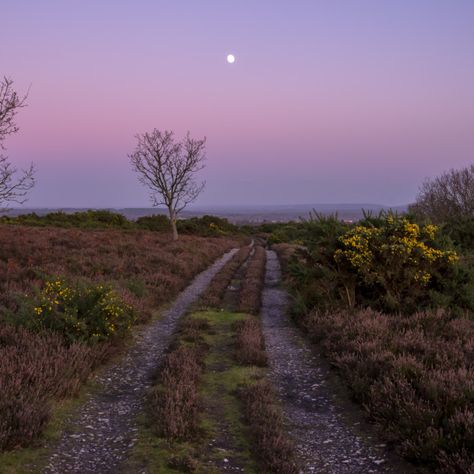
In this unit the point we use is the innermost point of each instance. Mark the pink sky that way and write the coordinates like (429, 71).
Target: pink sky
(354, 101)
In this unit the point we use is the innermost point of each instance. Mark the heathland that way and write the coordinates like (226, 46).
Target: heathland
(386, 302)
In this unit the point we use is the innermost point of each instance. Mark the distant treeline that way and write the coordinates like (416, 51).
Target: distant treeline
(104, 219)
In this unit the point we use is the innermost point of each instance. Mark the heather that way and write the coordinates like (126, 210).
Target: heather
(414, 375)
(68, 299)
(389, 301)
(145, 267)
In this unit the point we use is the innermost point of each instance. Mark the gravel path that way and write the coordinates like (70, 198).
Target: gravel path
(103, 431)
(326, 442)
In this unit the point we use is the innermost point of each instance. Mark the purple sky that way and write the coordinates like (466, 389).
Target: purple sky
(327, 102)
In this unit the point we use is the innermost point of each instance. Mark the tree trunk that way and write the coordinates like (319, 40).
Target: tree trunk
(173, 224)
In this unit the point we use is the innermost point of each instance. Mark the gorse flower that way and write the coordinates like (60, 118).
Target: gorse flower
(398, 255)
(86, 313)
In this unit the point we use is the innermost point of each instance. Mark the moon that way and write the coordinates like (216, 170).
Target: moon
(230, 58)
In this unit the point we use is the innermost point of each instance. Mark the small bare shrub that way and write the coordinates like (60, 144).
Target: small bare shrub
(273, 447)
(252, 284)
(250, 344)
(174, 405)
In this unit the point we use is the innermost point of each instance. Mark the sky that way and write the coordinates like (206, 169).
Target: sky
(327, 102)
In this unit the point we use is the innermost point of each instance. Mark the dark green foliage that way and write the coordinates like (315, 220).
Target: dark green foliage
(156, 222)
(461, 233)
(88, 219)
(80, 312)
(342, 266)
(206, 226)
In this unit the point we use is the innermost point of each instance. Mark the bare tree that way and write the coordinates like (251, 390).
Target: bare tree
(168, 168)
(13, 187)
(446, 196)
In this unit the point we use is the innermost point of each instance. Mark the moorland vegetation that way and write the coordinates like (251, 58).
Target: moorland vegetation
(390, 302)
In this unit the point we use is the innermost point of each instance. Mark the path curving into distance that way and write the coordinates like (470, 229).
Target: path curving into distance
(325, 441)
(103, 431)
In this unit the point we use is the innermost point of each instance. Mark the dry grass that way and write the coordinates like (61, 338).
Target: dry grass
(250, 343)
(252, 284)
(212, 297)
(273, 448)
(415, 376)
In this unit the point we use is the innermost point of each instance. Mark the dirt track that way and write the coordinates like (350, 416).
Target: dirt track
(102, 433)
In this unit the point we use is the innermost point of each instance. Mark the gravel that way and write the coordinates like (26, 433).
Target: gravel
(104, 430)
(326, 441)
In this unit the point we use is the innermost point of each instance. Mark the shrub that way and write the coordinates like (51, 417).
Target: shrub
(395, 264)
(387, 263)
(84, 312)
(84, 219)
(156, 222)
(206, 226)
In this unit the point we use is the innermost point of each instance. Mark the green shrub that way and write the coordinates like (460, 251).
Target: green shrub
(84, 219)
(461, 233)
(396, 263)
(86, 313)
(206, 226)
(156, 222)
(385, 262)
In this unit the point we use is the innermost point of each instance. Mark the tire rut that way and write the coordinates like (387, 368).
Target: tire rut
(104, 430)
(326, 442)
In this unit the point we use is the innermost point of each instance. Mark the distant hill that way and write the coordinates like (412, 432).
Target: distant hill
(245, 214)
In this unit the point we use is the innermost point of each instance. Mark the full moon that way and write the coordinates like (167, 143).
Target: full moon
(230, 58)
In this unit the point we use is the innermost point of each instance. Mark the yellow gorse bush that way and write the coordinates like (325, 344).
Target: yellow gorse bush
(396, 255)
(91, 313)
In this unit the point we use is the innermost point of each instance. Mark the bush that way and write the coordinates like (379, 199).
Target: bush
(447, 196)
(83, 219)
(86, 313)
(395, 264)
(206, 226)
(156, 222)
(461, 232)
(387, 263)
